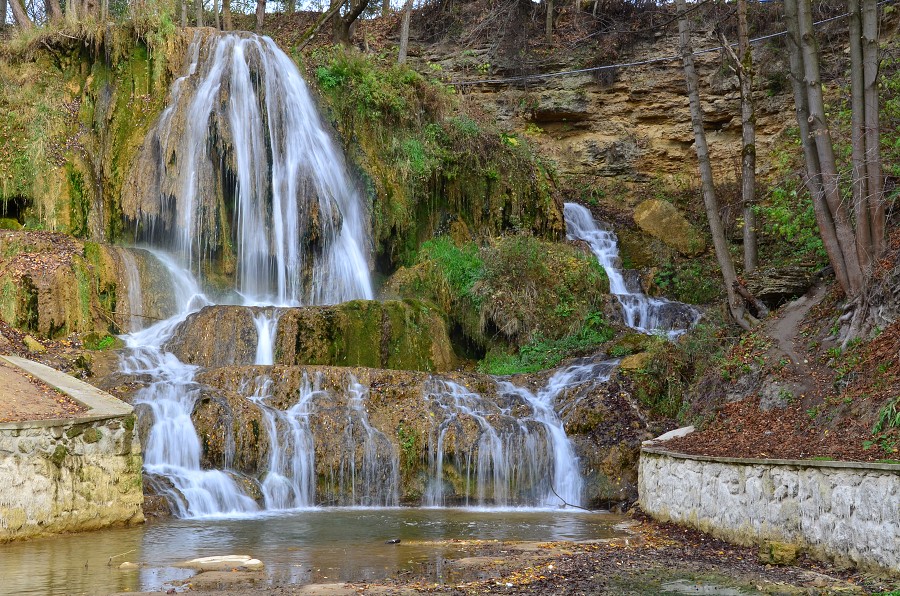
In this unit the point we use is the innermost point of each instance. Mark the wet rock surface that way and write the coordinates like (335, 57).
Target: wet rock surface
(393, 334)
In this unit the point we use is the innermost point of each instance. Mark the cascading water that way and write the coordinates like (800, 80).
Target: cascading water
(369, 465)
(640, 312)
(518, 453)
(290, 479)
(241, 150)
(241, 147)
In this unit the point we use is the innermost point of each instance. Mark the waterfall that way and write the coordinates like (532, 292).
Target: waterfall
(510, 460)
(266, 323)
(640, 312)
(369, 463)
(244, 161)
(290, 481)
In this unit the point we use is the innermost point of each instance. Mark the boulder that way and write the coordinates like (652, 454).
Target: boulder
(662, 220)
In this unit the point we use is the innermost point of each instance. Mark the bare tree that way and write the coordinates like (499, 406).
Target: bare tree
(404, 32)
(53, 10)
(199, 8)
(711, 203)
(851, 249)
(742, 62)
(20, 15)
(216, 14)
(226, 15)
(548, 26)
(343, 22)
(872, 124)
(260, 14)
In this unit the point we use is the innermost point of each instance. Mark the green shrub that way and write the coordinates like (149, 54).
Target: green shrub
(461, 267)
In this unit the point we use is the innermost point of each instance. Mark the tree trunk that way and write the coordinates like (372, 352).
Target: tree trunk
(216, 14)
(873, 124)
(289, 6)
(226, 15)
(735, 304)
(311, 32)
(19, 14)
(748, 138)
(825, 150)
(548, 27)
(260, 14)
(3, 7)
(385, 7)
(54, 12)
(343, 24)
(811, 157)
(858, 139)
(199, 12)
(404, 32)
(183, 14)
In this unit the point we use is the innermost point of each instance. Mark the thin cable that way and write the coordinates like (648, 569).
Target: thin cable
(564, 73)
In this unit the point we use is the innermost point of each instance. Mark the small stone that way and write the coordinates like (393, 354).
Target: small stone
(393, 541)
(34, 345)
(128, 566)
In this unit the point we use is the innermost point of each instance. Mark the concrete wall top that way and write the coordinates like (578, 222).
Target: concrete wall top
(796, 463)
(100, 405)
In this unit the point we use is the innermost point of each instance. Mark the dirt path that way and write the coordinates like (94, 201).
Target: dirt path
(786, 328)
(22, 397)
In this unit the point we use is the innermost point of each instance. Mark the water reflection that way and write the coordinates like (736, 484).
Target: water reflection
(298, 547)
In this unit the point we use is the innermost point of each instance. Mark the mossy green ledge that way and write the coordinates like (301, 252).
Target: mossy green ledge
(69, 475)
(393, 334)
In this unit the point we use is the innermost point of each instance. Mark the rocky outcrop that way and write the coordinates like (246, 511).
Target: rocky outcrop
(53, 285)
(394, 334)
(662, 220)
(775, 287)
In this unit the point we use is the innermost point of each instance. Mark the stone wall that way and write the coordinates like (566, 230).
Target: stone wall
(844, 512)
(69, 475)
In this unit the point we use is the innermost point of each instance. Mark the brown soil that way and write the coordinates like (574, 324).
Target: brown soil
(830, 403)
(25, 398)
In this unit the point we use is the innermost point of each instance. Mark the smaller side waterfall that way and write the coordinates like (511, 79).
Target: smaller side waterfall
(497, 455)
(640, 312)
(290, 481)
(369, 463)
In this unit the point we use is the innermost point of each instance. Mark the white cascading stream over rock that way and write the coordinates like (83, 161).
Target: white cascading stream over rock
(243, 121)
(640, 312)
(299, 232)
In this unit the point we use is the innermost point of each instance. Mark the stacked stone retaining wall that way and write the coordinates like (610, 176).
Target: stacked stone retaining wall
(845, 512)
(69, 475)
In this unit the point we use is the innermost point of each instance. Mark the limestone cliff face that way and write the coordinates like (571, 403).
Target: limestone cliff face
(633, 123)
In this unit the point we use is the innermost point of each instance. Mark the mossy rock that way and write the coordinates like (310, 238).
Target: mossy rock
(662, 220)
(394, 334)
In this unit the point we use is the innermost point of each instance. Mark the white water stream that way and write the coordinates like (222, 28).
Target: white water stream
(639, 311)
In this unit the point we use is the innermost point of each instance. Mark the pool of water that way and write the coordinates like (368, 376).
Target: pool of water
(320, 545)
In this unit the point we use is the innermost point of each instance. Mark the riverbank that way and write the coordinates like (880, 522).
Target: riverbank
(653, 558)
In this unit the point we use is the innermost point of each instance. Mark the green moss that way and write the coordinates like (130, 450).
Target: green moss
(422, 165)
(75, 431)
(59, 455)
(92, 435)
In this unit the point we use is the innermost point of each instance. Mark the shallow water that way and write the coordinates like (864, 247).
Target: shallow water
(298, 547)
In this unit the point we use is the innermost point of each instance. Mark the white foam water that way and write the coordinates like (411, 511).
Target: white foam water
(640, 312)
